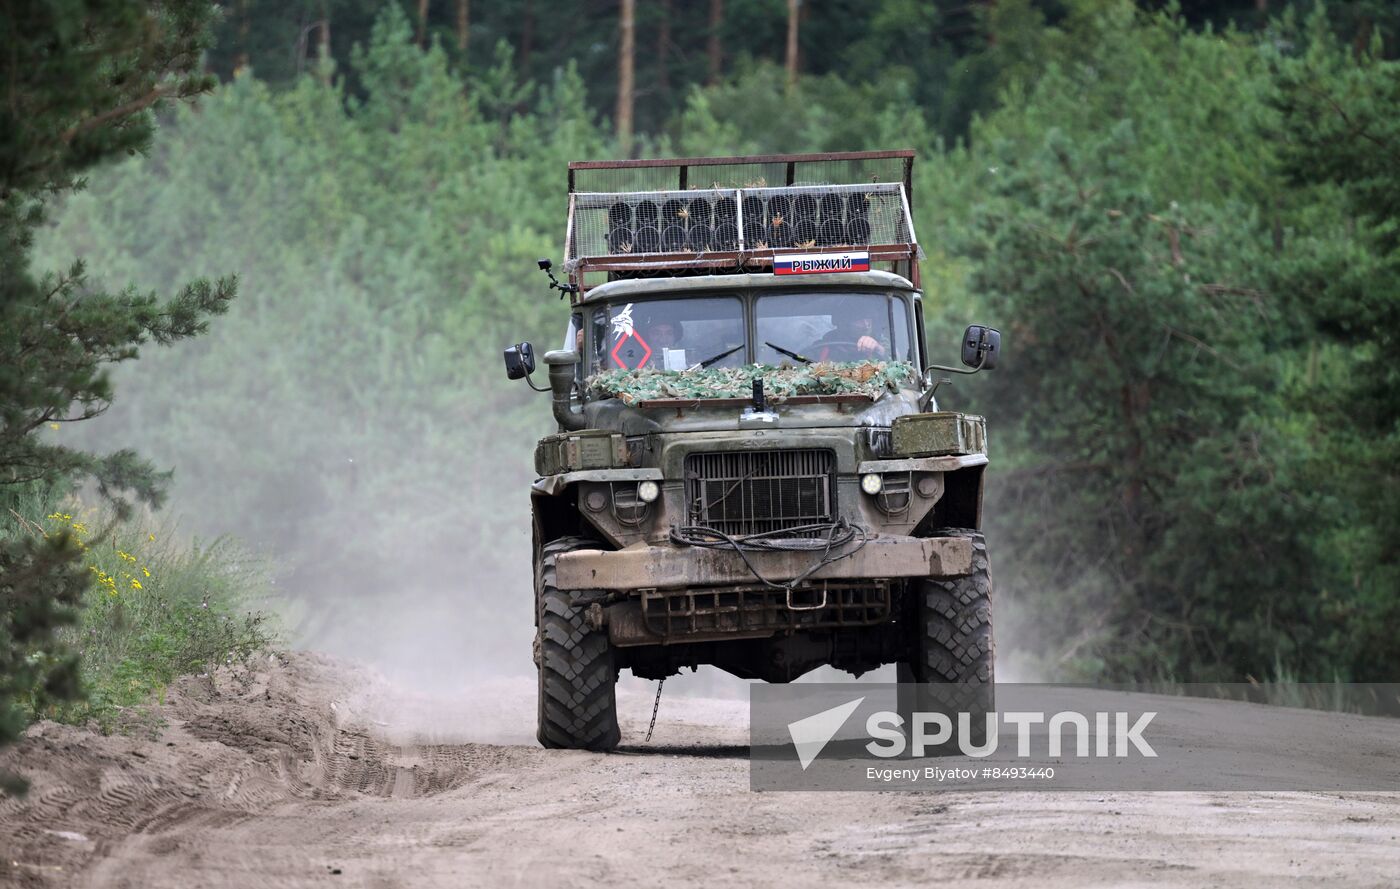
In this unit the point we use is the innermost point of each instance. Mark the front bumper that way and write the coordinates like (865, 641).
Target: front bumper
(672, 566)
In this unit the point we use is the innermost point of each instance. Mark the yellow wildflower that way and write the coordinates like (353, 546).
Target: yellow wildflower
(135, 584)
(146, 571)
(53, 425)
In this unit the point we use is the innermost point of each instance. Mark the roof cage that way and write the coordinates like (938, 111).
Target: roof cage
(659, 218)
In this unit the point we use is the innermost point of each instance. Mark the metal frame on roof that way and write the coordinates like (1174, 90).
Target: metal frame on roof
(683, 164)
(633, 288)
(902, 257)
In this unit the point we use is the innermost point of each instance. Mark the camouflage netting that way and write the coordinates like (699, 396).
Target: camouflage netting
(868, 378)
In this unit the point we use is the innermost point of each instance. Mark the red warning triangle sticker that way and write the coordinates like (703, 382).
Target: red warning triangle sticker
(621, 361)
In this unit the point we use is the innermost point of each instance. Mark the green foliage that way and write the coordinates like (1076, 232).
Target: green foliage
(56, 346)
(926, 45)
(156, 606)
(80, 84)
(386, 248)
(953, 56)
(41, 584)
(1340, 140)
(868, 378)
(1143, 319)
(1143, 242)
(824, 114)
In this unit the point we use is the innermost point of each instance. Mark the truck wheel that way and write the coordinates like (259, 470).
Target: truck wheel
(950, 666)
(578, 700)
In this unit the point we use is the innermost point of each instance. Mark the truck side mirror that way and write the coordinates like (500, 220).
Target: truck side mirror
(520, 361)
(981, 347)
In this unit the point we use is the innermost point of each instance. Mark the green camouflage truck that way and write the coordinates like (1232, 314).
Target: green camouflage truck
(750, 469)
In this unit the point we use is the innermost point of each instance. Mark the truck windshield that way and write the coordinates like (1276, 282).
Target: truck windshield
(669, 334)
(831, 327)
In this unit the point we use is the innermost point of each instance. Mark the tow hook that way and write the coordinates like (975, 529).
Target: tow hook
(792, 606)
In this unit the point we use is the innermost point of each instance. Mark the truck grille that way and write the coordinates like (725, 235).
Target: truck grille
(752, 492)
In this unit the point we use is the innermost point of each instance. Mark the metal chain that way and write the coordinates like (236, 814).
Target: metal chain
(655, 707)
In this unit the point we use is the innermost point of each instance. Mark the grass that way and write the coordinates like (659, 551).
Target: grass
(159, 606)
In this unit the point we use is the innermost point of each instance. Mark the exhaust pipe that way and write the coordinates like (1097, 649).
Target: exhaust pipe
(561, 386)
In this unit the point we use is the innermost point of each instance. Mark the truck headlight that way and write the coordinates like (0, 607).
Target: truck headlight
(871, 483)
(648, 491)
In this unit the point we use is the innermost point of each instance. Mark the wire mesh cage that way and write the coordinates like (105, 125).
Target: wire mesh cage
(700, 215)
(826, 216)
(668, 227)
(647, 222)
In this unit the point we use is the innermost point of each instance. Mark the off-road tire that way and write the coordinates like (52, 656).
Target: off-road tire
(578, 677)
(950, 668)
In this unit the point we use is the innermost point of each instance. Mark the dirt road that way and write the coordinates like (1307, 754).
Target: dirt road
(309, 773)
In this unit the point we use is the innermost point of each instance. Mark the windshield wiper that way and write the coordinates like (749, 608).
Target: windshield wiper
(788, 352)
(720, 357)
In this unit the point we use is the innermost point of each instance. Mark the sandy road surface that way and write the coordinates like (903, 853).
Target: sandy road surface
(313, 774)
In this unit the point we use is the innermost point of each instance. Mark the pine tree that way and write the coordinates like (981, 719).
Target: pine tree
(1340, 132)
(80, 84)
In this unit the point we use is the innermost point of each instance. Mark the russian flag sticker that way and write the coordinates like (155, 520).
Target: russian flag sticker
(820, 263)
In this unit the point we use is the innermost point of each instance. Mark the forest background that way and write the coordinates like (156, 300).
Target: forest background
(1182, 218)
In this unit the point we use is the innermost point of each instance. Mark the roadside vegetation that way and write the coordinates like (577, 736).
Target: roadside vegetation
(80, 85)
(157, 605)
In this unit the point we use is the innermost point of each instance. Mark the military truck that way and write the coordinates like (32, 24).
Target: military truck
(750, 469)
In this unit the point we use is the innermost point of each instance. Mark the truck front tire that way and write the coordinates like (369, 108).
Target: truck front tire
(949, 668)
(577, 674)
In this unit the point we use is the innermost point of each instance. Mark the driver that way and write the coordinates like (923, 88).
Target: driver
(852, 339)
(661, 333)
